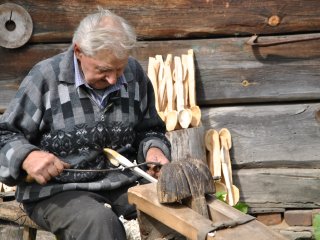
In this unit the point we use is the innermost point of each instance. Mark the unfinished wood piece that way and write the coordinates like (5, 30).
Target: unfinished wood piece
(114, 157)
(189, 223)
(196, 112)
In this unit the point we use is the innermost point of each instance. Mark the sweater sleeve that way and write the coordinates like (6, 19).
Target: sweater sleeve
(151, 129)
(19, 127)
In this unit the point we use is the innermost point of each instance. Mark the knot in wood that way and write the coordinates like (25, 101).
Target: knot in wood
(274, 20)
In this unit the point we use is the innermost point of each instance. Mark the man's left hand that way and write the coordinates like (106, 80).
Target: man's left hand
(155, 155)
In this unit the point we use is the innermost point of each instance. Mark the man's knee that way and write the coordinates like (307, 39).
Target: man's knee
(102, 215)
(96, 223)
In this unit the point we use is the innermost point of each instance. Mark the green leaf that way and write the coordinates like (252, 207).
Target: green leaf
(221, 196)
(242, 207)
(316, 226)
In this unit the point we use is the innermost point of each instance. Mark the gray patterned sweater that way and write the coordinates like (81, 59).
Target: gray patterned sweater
(51, 114)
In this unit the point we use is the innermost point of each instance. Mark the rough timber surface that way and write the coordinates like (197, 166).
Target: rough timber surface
(277, 188)
(177, 19)
(270, 136)
(228, 71)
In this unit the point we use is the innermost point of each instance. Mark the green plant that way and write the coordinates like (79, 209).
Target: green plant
(242, 207)
(316, 226)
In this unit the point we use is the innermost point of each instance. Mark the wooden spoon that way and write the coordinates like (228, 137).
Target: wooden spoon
(161, 88)
(196, 112)
(212, 143)
(153, 68)
(184, 61)
(116, 158)
(172, 115)
(225, 142)
(184, 116)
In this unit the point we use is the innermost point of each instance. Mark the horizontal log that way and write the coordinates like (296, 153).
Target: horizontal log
(178, 19)
(228, 71)
(278, 188)
(270, 135)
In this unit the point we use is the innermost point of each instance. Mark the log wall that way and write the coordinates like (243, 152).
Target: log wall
(268, 97)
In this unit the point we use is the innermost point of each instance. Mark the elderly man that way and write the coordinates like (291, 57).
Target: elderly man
(67, 109)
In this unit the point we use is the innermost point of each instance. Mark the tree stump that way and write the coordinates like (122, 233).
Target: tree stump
(187, 143)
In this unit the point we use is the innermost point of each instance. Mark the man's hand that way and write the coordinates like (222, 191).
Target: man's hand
(155, 155)
(42, 166)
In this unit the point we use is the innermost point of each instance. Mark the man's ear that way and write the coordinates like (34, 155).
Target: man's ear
(77, 51)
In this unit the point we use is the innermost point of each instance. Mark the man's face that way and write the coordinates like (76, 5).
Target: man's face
(101, 70)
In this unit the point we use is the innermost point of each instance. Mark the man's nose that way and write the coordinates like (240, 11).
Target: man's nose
(112, 78)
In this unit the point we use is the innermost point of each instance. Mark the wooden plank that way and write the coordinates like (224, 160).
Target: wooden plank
(178, 19)
(176, 216)
(251, 230)
(228, 71)
(269, 135)
(151, 229)
(278, 187)
(12, 211)
(189, 223)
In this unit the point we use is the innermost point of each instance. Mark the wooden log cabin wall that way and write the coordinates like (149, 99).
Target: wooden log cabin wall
(267, 96)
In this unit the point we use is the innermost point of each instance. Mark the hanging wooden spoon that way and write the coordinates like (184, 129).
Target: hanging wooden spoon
(226, 143)
(212, 143)
(162, 98)
(153, 68)
(196, 112)
(184, 116)
(172, 115)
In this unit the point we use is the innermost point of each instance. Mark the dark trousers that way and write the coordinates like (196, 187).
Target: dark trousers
(82, 215)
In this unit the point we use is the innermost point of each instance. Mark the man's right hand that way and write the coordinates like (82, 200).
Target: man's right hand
(42, 166)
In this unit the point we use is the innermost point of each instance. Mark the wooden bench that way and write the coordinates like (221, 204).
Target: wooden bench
(12, 211)
(192, 225)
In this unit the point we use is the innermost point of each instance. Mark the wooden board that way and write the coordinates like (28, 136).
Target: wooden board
(270, 135)
(278, 188)
(177, 19)
(228, 71)
(187, 222)
(12, 211)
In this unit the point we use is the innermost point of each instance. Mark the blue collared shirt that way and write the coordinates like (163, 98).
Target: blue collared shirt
(99, 96)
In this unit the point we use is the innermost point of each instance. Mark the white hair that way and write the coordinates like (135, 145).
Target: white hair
(118, 37)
